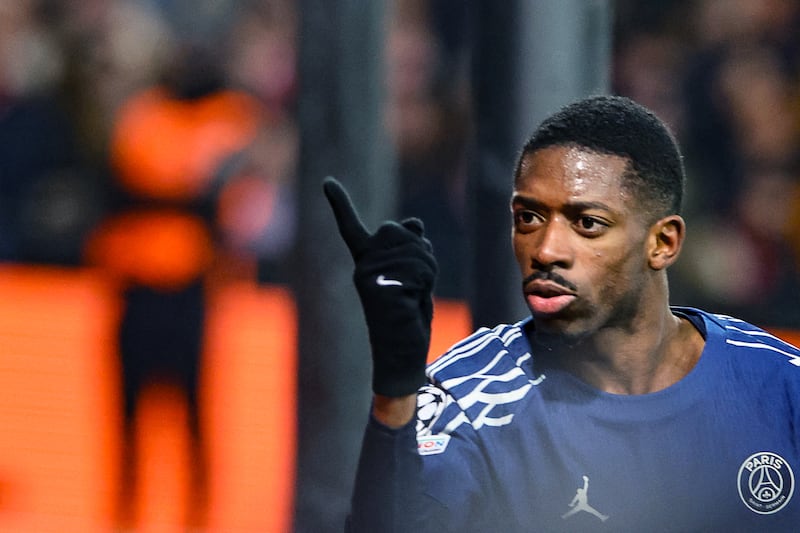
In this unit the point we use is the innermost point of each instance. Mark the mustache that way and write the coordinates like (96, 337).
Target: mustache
(549, 276)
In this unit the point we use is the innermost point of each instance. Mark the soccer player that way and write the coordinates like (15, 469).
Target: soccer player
(605, 410)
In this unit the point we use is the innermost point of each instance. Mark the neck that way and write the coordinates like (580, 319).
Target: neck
(646, 357)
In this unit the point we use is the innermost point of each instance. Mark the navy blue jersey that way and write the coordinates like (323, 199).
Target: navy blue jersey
(503, 447)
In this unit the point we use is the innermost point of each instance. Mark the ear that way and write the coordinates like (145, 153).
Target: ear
(665, 241)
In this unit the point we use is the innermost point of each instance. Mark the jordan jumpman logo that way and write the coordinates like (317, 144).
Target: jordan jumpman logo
(581, 503)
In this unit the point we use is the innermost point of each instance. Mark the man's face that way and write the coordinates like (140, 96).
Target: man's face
(580, 241)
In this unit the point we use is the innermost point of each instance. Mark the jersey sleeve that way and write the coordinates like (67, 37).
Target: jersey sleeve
(387, 480)
(417, 478)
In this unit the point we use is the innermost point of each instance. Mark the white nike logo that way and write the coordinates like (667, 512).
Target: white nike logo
(383, 281)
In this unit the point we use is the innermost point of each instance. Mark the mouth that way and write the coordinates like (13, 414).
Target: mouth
(548, 298)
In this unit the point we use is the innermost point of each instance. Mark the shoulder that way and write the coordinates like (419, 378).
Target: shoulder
(478, 382)
(488, 350)
(747, 345)
(748, 337)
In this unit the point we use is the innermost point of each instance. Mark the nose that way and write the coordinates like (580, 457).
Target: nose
(552, 247)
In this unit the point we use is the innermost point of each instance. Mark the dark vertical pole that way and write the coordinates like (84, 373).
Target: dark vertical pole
(341, 129)
(491, 300)
(529, 58)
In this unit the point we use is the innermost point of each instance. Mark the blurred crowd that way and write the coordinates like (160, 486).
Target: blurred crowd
(114, 113)
(725, 74)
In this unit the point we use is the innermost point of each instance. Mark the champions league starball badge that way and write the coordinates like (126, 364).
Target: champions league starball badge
(766, 482)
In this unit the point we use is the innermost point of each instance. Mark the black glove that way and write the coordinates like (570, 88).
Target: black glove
(394, 275)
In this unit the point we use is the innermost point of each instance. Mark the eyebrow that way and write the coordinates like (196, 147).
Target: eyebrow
(575, 206)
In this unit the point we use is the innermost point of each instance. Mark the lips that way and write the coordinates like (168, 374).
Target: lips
(547, 298)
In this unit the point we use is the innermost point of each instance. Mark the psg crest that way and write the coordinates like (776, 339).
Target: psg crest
(766, 482)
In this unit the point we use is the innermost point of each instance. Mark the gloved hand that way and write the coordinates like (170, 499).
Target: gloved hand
(394, 274)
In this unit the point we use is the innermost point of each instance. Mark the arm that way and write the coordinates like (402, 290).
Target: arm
(394, 275)
(388, 483)
(400, 490)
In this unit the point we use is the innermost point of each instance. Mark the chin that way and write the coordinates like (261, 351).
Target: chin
(551, 334)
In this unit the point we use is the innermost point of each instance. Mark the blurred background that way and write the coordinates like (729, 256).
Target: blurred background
(180, 345)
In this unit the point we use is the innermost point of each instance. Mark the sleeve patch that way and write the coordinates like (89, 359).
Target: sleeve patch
(432, 444)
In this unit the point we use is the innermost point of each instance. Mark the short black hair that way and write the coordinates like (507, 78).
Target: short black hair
(619, 126)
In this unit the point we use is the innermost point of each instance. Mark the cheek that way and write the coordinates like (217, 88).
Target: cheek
(617, 279)
(519, 245)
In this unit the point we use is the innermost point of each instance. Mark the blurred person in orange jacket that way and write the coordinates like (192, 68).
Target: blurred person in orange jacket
(172, 153)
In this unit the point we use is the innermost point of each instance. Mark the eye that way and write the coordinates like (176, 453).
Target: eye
(591, 225)
(525, 218)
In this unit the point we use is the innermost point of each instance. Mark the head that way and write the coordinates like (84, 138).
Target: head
(597, 194)
(619, 126)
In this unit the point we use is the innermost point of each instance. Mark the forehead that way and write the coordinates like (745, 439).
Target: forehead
(574, 171)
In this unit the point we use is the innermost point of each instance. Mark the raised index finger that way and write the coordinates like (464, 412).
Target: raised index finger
(351, 228)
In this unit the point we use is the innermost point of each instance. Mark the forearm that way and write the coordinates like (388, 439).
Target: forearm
(388, 485)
